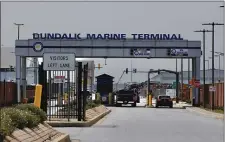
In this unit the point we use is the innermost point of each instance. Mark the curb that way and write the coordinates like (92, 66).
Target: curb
(63, 138)
(203, 113)
(78, 124)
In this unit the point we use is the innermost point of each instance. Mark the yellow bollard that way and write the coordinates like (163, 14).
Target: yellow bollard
(150, 100)
(98, 97)
(37, 97)
(65, 97)
(110, 98)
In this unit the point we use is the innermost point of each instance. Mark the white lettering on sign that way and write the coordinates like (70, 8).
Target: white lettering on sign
(142, 52)
(59, 61)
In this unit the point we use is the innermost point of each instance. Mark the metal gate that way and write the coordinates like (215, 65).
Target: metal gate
(62, 95)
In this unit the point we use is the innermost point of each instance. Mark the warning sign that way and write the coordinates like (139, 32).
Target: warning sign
(212, 88)
(104, 99)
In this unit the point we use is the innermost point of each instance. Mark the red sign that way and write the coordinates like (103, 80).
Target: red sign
(197, 83)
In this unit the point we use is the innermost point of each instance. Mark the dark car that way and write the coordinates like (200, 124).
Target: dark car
(126, 97)
(163, 100)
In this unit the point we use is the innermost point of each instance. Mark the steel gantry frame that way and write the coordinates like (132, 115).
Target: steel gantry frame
(87, 48)
(164, 70)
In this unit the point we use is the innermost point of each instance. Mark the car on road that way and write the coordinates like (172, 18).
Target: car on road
(164, 100)
(126, 97)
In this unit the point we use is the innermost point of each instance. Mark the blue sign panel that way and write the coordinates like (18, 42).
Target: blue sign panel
(179, 52)
(77, 36)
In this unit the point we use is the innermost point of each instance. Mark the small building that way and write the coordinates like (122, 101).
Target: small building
(104, 86)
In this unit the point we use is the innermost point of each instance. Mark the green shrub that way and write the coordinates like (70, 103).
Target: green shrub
(97, 102)
(92, 104)
(32, 119)
(20, 116)
(37, 111)
(17, 116)
(6, 124)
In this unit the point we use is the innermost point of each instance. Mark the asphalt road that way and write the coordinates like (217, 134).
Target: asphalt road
(150, 125)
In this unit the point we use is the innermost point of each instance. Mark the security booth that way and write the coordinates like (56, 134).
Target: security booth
(105, 88)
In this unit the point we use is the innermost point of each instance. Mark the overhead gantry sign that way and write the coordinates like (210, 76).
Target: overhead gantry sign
(109, 46)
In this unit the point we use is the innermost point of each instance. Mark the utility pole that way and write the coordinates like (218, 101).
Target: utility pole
(213, 24)
(203, 46)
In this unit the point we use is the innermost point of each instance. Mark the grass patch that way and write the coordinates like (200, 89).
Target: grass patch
(19, 117)
(216, 110)
(92, 103)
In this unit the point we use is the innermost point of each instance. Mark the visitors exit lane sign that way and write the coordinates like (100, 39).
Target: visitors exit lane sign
(59, 61)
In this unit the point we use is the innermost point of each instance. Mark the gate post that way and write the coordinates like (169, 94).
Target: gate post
(43, 82)
(69, 104)
(79, 87)
(85, 90)
(24, 82)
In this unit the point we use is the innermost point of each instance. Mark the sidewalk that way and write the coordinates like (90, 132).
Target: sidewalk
(200, 110)
(205, 112)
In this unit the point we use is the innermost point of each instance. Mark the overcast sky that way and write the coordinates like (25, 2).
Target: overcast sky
(88, 17)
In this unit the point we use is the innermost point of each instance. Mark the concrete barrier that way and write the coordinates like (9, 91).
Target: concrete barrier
(43, 132)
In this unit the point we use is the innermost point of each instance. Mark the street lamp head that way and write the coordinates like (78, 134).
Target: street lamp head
(207, 24)
(222, 6)
(213, 23)
(17, 24)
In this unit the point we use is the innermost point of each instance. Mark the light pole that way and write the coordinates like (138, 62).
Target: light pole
(203, 46)
(208, 72)
(18, 29)
(213, 24)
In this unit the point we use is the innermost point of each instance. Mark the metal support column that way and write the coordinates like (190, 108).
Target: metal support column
(197, 73)
(35, 71)
(79, 92)
(69, 95)
(177, 87)
(193, 76)
(24, 81)
(148, 87)
(182, 79)
(43, 81)
(18, 72)
(85, 73)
